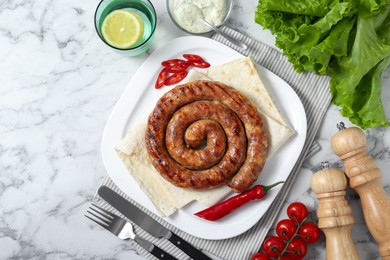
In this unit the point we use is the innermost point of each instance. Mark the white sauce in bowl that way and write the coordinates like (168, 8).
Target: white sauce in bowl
(189, 14)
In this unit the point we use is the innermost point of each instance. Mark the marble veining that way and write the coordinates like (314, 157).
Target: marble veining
(58, 85)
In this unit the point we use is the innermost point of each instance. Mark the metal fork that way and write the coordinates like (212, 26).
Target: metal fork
(124, 230)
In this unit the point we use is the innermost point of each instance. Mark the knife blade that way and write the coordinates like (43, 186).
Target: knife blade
(148, 223)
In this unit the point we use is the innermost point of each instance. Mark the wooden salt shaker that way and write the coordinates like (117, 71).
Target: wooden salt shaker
(334, 214)
(365, 177)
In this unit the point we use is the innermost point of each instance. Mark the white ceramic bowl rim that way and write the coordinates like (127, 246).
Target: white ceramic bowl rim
(229, 10)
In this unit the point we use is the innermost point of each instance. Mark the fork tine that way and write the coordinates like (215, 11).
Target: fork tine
(105, 211)
(101, 217)
(97, 222)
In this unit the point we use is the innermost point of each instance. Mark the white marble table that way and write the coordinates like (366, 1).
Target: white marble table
(58, 84)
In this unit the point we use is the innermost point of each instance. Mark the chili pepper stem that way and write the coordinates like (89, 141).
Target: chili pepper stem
(267, 188)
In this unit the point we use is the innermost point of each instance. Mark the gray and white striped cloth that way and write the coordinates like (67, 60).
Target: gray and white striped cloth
(314, 93)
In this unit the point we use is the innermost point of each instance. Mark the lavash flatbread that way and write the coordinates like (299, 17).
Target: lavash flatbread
(166, 197)
(243, 75)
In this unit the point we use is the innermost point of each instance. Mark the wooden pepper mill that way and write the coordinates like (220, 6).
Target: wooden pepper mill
(365, 177)
(334, 214)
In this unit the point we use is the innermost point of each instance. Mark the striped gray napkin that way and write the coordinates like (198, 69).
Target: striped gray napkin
(314, 93)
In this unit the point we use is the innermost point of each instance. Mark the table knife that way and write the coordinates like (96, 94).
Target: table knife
(151, 248)
(147, 223)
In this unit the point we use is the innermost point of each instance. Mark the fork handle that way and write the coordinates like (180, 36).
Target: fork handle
(161, 254)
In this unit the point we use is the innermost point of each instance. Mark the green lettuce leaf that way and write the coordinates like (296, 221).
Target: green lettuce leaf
(367, 52)
(309, 42)
(306, 7)
(367, 101)
(348, 40)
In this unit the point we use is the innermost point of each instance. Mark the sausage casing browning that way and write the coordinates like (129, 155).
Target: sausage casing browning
(203, 134)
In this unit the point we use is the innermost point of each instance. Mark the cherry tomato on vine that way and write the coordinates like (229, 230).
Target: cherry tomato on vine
(297, 212)
(161, 78)
(297, 248)
(193, 57)
(286, 229)
(273, 246)
(260, 256)
(176, 77)
(285, 257)
(309, 232)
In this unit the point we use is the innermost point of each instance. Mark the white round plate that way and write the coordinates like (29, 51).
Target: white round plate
(140, 97)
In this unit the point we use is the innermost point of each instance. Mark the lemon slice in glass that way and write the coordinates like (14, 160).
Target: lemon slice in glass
(122, 28)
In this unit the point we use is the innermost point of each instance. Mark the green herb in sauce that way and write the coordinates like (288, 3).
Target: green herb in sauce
(190, 13)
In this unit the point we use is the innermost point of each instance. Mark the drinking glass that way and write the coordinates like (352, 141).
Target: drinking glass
(142, 7)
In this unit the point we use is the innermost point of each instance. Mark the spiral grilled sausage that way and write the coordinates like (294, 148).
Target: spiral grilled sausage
(203, 134)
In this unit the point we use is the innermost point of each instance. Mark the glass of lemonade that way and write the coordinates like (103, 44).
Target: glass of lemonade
(127, 26)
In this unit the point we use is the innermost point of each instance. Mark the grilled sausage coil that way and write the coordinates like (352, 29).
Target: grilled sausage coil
(204, 134)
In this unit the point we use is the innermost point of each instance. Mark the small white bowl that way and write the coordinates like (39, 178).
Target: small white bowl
(170, 5)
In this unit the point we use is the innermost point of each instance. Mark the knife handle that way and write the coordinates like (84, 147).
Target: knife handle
(161, 254)
(153, 249)
(187, 248)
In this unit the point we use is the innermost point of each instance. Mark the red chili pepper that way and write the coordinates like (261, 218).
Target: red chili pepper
(173, 62)
(223, 208)
(175, 65)
(199, 64)
(161, 78)
(175, 70)
(175, 78)
(178, 68)
(193, 57)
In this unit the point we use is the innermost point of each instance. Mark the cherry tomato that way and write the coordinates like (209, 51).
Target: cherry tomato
(161, 78)
(176, 77)
(199, 64)
(260, 256)
(309, 232)
(286, 229)
(273, 246)
(297, 211)
(193, 57)
(175, 65)
(297, 248)
(285, 257)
